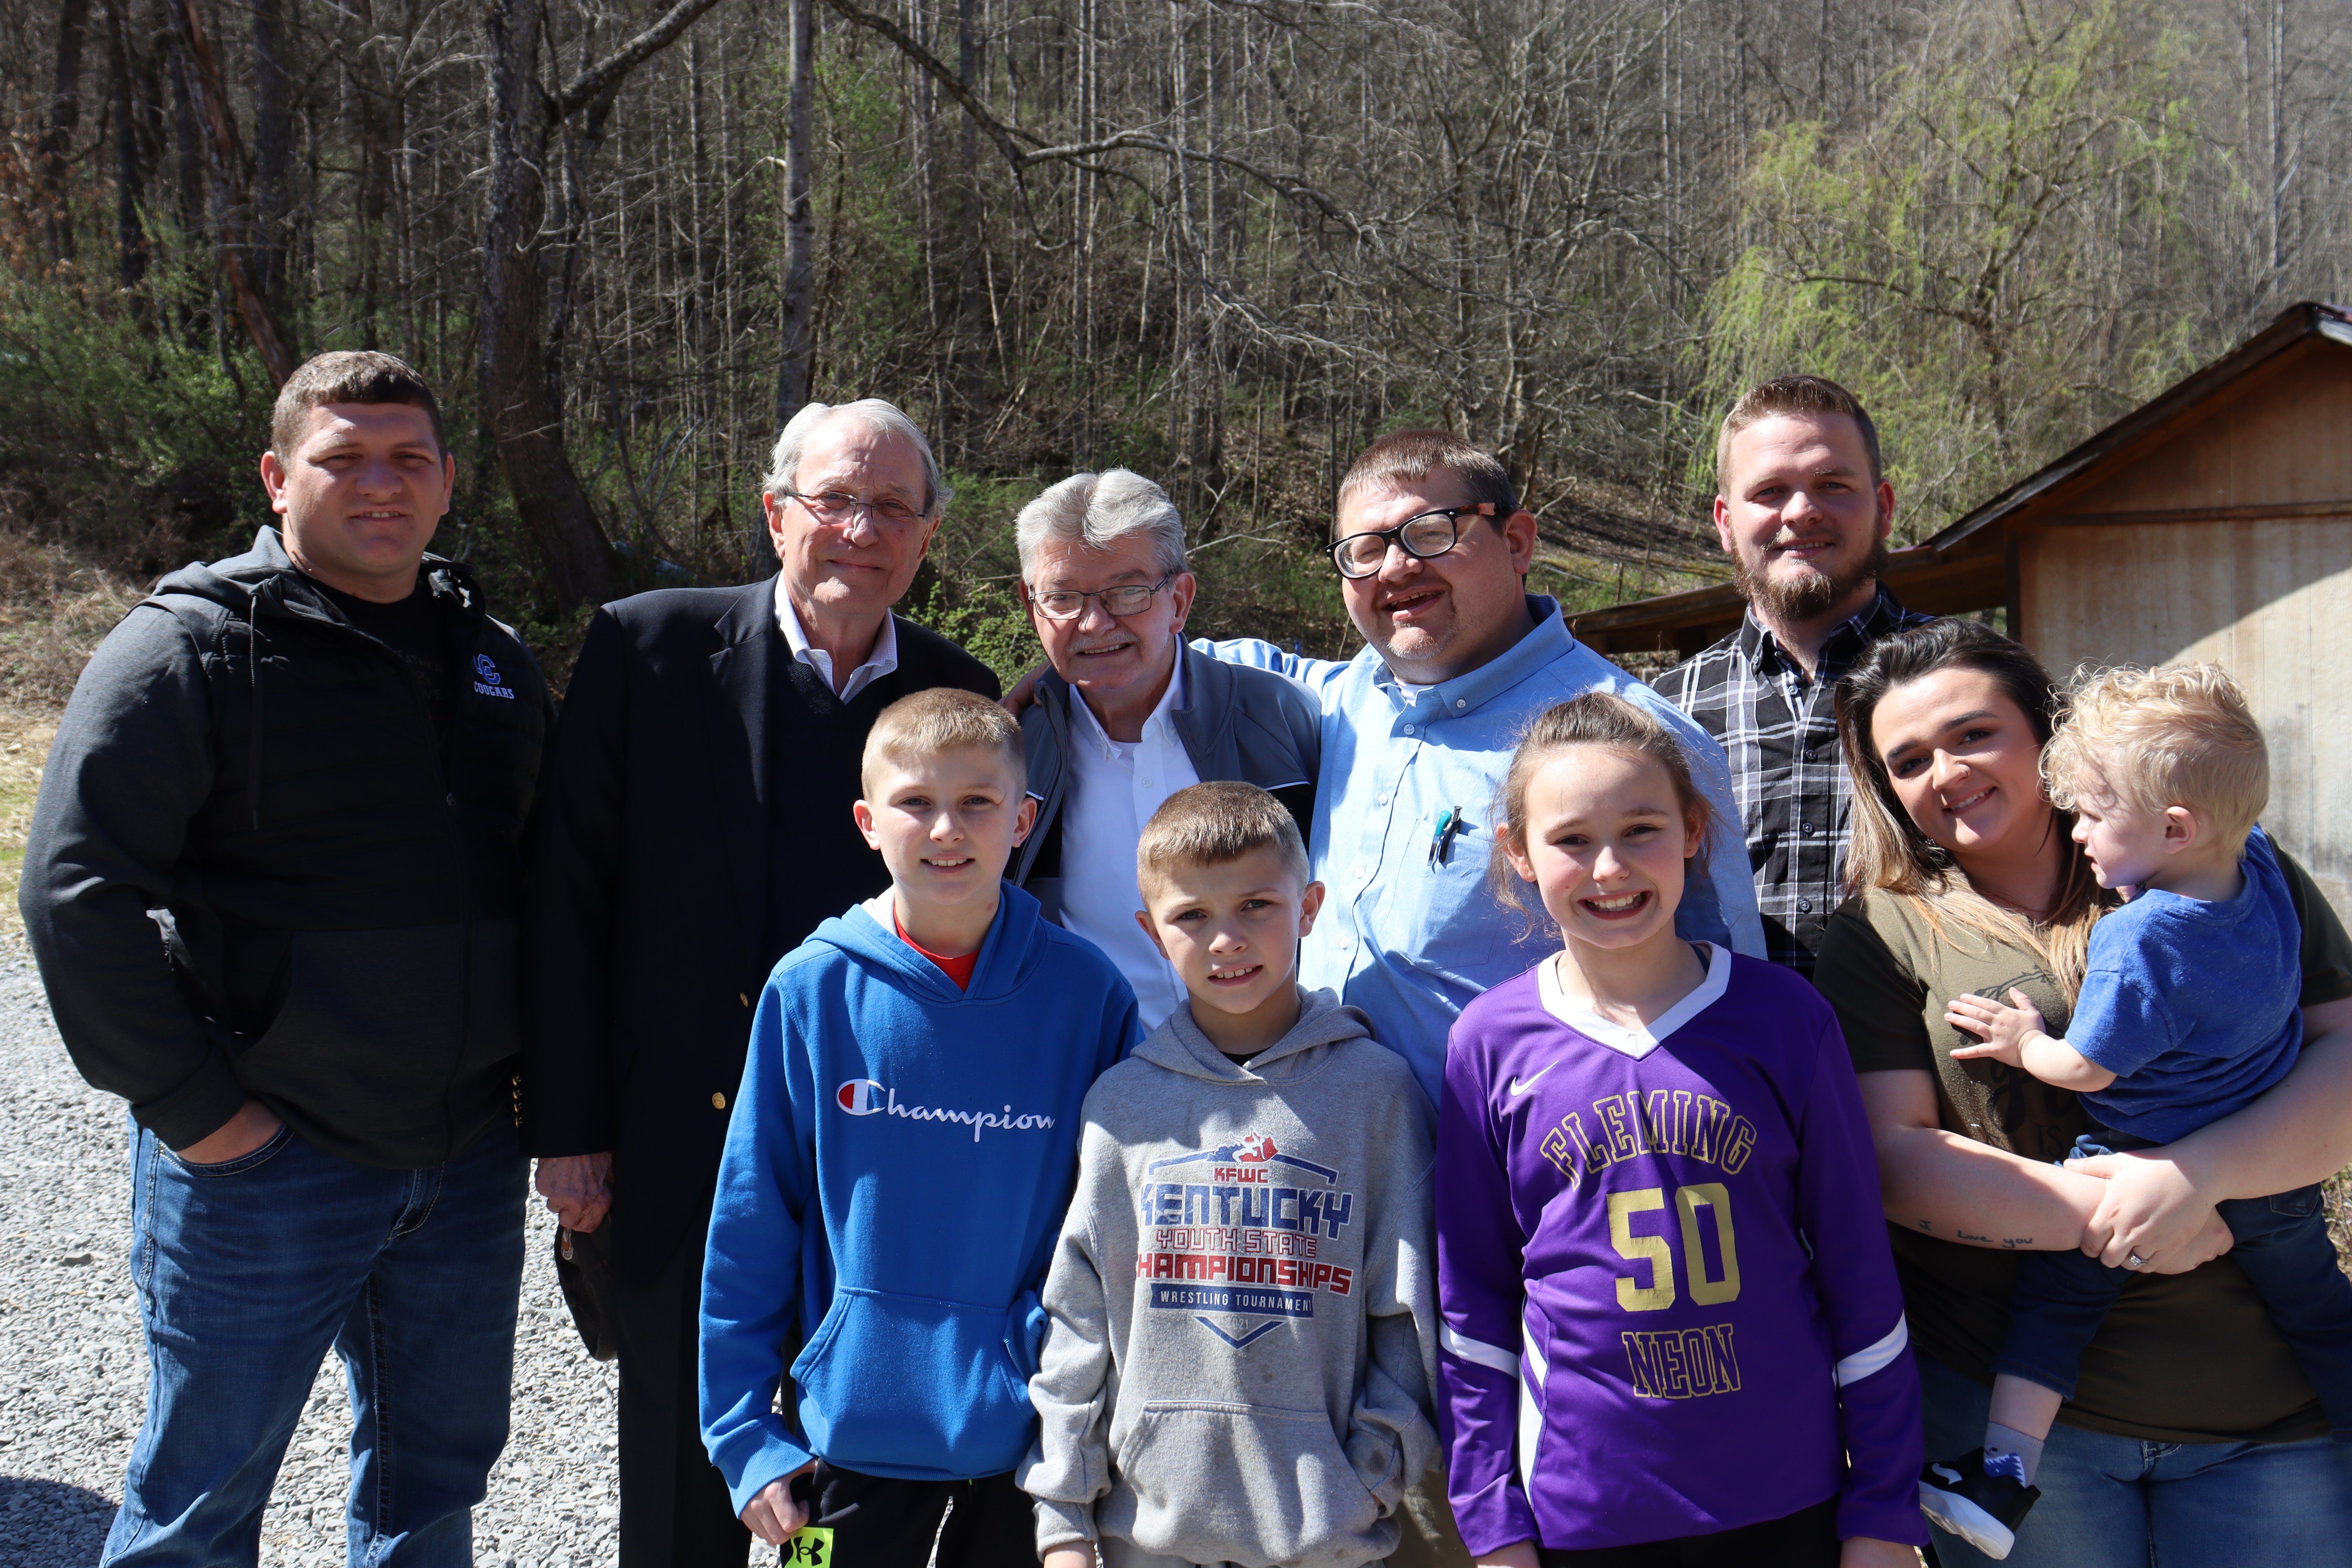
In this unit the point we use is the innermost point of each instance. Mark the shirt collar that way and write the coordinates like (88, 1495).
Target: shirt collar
(1545, 641)
(1171, 700)
(1845, 644)
(882, 661)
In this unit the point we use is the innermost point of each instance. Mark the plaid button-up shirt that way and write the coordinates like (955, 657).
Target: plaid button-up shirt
(1780, 732)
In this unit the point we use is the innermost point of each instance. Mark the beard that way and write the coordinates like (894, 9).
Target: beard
(1811, 595)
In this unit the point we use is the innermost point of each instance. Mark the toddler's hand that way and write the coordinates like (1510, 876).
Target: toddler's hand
(2002, 1029)
(1079, 1555)
(1862, 1552)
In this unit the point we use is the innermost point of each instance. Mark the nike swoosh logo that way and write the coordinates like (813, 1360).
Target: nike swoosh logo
(1518, 1088)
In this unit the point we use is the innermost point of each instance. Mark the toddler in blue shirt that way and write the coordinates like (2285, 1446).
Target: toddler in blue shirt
(2189, 1008)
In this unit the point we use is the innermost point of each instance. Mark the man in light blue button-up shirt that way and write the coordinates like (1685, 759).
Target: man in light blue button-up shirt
(1418, 730)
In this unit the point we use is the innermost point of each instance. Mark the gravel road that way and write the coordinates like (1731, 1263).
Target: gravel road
(73, 1371)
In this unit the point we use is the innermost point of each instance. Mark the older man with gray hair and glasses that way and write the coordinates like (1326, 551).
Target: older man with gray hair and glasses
(694, 825)
(1128, 715)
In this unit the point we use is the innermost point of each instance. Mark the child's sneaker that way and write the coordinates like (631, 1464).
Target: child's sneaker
(1981, 1504)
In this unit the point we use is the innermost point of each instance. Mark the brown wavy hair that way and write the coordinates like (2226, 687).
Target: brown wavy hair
(1889, 852)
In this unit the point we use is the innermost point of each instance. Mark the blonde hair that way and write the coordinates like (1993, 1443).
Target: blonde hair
(2151, 739)
(1213, 824)
(1887, 852)
(944, 719)
(1596, 718)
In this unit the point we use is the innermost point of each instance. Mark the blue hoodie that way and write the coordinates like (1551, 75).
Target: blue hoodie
(898, 1163)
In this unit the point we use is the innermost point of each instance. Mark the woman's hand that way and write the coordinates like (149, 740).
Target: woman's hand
(1862, 1552)
(2150, 1211)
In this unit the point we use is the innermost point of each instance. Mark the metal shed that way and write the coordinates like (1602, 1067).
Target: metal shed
(2212, 522)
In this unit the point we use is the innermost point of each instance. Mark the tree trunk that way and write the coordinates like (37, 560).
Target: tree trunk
(525, 421)
(273, 153)
(129, 181)
(231, 203)
(57, 136)
(798, 354)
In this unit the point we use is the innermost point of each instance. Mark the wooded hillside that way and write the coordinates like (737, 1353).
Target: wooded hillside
(1220, 241)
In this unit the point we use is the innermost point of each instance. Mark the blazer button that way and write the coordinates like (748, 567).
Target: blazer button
(743, 998)
(718, 1102)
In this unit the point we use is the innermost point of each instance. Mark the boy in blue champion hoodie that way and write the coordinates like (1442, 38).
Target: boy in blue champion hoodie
(897, 1167)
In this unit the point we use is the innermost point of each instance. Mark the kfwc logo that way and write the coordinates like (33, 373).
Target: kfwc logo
(487, 682)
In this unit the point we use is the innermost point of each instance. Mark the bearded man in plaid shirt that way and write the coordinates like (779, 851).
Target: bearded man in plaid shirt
(1803, 508)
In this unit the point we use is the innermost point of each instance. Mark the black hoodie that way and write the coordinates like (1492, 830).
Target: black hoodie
(266, 878)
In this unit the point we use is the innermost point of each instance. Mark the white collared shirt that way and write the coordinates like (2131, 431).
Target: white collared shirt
(879, 663)
(1115, 787)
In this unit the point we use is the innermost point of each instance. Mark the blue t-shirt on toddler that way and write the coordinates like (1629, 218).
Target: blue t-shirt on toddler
(2196, 1008)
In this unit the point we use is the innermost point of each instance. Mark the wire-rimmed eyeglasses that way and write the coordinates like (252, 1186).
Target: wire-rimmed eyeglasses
(1421, 536)
(1126, 599)
(840, 506)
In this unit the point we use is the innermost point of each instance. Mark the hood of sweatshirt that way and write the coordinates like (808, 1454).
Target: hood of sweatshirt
(1179, 1045)
(266, 580)
(1008, 955)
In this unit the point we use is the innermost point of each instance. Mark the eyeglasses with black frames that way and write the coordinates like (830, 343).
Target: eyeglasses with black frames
(1127, 599)
(1421, 536)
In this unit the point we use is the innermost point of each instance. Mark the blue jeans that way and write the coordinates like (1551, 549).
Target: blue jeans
(2120, 1502)
(2281, 1242)
(247, 1271)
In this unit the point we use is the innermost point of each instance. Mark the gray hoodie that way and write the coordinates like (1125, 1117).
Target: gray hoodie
(1242, 1304)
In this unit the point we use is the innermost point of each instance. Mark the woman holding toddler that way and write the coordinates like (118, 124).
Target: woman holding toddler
(2192, 1435)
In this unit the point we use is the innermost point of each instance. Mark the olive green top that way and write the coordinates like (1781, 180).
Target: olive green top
(2189, 1358)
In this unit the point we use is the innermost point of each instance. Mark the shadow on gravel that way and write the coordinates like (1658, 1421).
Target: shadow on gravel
(51, 1523)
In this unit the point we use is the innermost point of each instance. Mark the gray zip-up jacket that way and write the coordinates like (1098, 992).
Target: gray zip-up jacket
(1243, 1314)
(1234, 722)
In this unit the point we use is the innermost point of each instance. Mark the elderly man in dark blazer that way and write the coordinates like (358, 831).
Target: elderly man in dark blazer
(696, 826)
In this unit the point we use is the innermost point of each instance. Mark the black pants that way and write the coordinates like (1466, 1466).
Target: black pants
(878, 1522)
(674, 1508)
(1805, 1539)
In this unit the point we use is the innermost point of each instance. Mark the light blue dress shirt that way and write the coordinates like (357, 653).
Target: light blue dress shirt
(1410, 942)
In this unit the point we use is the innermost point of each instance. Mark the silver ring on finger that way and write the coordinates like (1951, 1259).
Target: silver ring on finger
(2134, 1260)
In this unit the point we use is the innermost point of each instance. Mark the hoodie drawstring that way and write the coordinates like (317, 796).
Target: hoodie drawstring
(253, 680)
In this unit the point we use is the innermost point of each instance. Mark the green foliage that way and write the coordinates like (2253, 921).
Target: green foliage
(126, 423)
(1974, 263)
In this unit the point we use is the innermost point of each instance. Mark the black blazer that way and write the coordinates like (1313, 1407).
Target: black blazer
(651, 923)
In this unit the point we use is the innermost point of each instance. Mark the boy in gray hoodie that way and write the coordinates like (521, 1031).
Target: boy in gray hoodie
(1243, 1319)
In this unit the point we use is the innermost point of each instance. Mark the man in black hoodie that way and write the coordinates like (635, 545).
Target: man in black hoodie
(272, 884)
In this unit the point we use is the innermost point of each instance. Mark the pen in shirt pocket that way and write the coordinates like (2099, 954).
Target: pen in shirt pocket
(1440, 843)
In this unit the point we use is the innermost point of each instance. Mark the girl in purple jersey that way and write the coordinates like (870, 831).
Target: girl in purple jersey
(1671, 1332)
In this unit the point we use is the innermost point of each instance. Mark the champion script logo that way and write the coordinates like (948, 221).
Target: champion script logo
(865, 1097)
(1519, 1088)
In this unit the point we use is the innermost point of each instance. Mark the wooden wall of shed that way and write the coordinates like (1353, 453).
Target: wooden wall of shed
(2280, 435)
(2270, 601)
